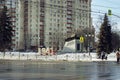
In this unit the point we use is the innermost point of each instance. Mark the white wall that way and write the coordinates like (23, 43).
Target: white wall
(69, 46)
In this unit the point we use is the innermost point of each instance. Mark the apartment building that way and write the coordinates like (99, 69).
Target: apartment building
(46, 23)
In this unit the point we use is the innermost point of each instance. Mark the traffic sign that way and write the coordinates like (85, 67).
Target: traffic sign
(81, 39)
(109, 12)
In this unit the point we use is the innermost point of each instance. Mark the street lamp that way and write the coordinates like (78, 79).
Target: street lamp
(89, 36)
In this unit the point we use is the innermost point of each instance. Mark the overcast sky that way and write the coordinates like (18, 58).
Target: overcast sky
(103, 6)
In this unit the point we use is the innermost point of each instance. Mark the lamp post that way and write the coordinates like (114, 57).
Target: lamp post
(89, 36)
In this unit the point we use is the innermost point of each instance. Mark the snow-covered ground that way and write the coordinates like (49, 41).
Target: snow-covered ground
(58, 57)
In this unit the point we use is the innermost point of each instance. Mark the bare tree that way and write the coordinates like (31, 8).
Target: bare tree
(58, 40)
(115, 40)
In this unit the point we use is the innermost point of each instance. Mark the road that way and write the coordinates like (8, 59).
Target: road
(24, 70)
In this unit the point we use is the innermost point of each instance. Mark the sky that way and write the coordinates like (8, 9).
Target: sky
(103, 6)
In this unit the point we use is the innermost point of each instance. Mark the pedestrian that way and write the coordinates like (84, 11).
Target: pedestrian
(102, 55)
(118, 56)
(106, 55)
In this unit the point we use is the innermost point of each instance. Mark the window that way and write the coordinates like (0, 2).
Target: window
(50, 24)
(58, 15)
(50, 5)
(58, 2)
(58, 20)
(54, 1)
(54, 15)
(50, 34)
(58, 25)
(50, 28)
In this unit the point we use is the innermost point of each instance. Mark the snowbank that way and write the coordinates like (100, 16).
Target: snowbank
(59, 57)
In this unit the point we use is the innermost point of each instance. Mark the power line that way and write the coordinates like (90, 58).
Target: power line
(108, 7)
(75, 10)
(78, 9)
(64, 8)
(105, 6)
(113, 1)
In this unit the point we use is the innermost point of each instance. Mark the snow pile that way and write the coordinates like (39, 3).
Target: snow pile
(58, 57)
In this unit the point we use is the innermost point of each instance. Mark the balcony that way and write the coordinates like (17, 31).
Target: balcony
(42, 25)
(69, 5)
(69, 27)
(41, 15)
(69, 23)
(42, 20)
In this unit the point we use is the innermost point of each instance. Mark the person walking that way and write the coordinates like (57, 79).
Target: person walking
(118, 56)
(106, 55)
(102, 55)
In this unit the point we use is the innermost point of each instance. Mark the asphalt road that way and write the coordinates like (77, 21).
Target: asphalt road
(32, 70)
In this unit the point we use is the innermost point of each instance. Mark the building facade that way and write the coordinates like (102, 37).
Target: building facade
(46, 23)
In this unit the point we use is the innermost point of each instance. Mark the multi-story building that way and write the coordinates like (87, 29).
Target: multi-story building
(29, 24)
(47, 23)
